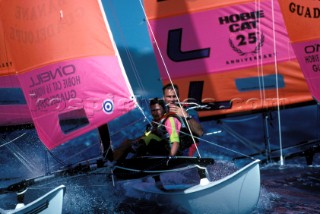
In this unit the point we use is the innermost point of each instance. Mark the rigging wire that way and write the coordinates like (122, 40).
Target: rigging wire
(55, 157)
(132, 64)
(132, 123)
(318, 119)
(98, 143)
(26, 161)
(128, 53)
(260, 59)
(262, 87)
(16, 151)
(231, 132)
(228, 149)
(261, 73)
(241, 119)
(277, 81)
(113, 134)
(11, 141)
(168, 74)
(240, 138)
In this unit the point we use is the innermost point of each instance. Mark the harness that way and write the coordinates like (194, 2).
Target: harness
(185, 138)
(161, 129)
(166, 116)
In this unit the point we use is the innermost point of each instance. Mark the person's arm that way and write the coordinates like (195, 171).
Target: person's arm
(173, 127)
(174, 148)
(195, 126)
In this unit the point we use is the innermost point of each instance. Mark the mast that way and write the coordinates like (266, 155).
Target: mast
(105, 142)
(266, 136)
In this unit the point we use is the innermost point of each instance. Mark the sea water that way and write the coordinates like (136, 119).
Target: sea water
(290, 188)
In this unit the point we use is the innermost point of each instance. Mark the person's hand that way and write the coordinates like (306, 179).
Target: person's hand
(179, 111)
(172, 108)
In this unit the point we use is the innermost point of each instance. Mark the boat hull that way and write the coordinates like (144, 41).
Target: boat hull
(148, 165)
(50, 203)
(236, 193)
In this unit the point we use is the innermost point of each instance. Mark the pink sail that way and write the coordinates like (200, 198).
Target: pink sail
(67, 66)
(234, 52)
(302, 21)
(13, 106)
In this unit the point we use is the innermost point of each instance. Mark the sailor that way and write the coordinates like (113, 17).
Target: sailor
(165, 128)
(190, 119)
(161, 137)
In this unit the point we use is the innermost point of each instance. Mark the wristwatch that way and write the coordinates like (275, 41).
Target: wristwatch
(189, 117)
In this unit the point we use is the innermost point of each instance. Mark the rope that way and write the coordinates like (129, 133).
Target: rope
(129, 55)
(318, 119)
(230, 150)
(168, 74)
(135, 171)
(240, 120)
(16, 151)
(55, 157)
(260, 61)
(240, 138)
(11, 141)
(277, 83)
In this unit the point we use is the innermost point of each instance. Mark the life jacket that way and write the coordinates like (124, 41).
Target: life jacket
(184, 134)
(151, 143)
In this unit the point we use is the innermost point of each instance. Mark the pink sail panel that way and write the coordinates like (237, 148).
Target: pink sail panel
(229, 38)
(13, 107)
(160, 9)
(67, 66)
(225, 52)
(302, 19)
(75, 89)
(308, 54)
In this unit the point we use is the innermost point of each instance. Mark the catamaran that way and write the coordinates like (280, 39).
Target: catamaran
(67, 68)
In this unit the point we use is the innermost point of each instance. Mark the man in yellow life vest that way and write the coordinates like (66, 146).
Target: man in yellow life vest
(165, 128)
(161, 137)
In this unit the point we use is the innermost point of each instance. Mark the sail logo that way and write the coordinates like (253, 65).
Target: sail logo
(247, 36)
(311, 49)
(5, 64)
(175, 52)
(243, 23)
(108, 106)
(312, 56)
(304, 11)
(51, 75)
(252, 39)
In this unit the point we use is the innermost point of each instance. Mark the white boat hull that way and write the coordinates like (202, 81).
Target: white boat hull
(236, 193)
(50, 203)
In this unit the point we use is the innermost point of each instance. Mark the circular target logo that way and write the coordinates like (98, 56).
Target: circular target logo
(108, 106)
